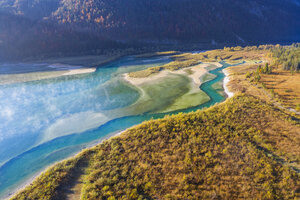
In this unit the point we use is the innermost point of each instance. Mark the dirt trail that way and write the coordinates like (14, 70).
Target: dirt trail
(72, 190)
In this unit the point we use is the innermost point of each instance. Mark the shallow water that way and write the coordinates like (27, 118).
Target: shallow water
(45, 121)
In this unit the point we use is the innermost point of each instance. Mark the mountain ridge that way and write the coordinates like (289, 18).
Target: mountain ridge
(151, 22)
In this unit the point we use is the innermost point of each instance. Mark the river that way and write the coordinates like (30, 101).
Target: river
(45, 121)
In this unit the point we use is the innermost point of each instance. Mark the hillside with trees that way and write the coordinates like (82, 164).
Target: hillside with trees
(189, 20)
(288, 57)
(141, 22)
(25, 38)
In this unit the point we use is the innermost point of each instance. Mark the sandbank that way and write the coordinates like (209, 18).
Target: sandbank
(225, 84)
(197, 71)
(79, 71)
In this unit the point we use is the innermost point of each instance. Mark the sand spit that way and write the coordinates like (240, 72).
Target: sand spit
(225, 84)
(79, 71)
(197, 72)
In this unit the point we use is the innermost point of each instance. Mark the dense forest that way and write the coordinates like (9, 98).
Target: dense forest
(22, 38)
(230, 151)
(288, 56)
(62, 27)
(193, 20)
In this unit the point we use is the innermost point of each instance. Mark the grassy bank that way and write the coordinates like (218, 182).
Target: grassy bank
(227, 151)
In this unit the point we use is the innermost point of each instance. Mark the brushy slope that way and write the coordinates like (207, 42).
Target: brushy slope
(224, 152)
(49, 185)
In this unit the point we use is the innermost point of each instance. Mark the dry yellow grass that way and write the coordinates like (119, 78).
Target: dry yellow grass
(280, 133)
(230, 56)
(241, 149)
(285, 85)
(189, 59)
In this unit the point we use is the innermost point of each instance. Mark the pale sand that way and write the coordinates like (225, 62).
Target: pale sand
(227, 77)
(79, 71)
(225, 84)
(34, 76)
(198, 71)
(217, 64)
(151, 78)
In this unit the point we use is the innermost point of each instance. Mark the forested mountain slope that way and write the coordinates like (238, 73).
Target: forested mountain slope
(148, 22)
(22, 37)
(194, 20)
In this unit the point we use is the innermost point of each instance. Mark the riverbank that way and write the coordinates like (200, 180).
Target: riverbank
(226, 83)
(164, 92)
(79, 71)
(194, 73)
(169, 141)
(197, 72)
(35, 70)
(170, 93)
(29, 182)
(194, 96)
(36, 76)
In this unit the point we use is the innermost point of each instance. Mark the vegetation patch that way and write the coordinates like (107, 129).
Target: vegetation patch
(188, 100)
(287, 56)
(51, 183)
(160, 94)
(223, 152)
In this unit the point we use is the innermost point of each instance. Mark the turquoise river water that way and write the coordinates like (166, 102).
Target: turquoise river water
(45, 121)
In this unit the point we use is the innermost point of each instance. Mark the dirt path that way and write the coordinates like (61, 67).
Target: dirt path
(72, 189)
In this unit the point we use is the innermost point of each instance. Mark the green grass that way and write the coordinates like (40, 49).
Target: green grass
(170, 93)
(160, 94)
(188, 100)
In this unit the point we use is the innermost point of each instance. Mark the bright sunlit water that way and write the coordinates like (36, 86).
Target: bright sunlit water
(45, 121)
